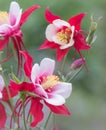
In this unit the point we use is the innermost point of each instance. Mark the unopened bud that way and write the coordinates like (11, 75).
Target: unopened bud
(54, 128)
(77, 63)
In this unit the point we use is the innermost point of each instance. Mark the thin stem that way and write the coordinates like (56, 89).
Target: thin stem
(24, 116)
(63, 65)
(54, 120)
(47, 120)
(75, 75)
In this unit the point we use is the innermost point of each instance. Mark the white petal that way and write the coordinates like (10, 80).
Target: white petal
(5, 30)
(60, 23)
(14, 9)
(54, 38)
(40, 91)
(47, 66)
(18, 18)
(56, 100)
(0, 95)
(50, 32)
(35, 72)
(64, 89)
(2, 84)
(71, 43)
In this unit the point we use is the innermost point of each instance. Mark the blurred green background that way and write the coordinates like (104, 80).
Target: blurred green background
(88, 100)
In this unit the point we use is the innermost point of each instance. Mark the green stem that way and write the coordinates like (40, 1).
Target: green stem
(54, 120)
(24, 116)
(63, 65)
(75, 75)
(47, 120)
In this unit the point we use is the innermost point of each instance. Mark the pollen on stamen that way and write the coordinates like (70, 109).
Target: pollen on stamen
(64, 35)
(49, 82)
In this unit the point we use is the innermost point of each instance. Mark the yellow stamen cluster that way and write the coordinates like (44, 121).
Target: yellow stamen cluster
(50, 81)
(64, 35)
(4, 17)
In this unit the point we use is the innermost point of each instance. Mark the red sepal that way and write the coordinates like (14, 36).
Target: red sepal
(28, 63)
(36, 111)
(27, 12)
(76, 20)
(50, 17)
(3, 116)
(59, 109)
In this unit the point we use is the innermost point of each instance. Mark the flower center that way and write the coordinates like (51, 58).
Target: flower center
(64, 35)
(4, 17)
(50, 81)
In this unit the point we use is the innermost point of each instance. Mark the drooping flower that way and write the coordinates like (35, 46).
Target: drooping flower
(46, 87)
(62, 35)
(10, 27)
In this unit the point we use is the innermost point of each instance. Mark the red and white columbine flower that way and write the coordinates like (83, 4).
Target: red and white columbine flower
(46, 86)
(10, 26)
(62, 35)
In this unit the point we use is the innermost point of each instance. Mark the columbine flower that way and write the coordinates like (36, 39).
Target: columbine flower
(62, 35)
(10, 24)
(46, 86)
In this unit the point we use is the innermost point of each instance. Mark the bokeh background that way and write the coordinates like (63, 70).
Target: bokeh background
(88, 100)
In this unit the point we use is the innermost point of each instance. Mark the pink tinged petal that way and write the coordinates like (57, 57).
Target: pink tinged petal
(61, 53)
(14, 9)
(47, 44)
(2, 116)
(59, 109)
(62, 88)
(27, 13)
(35, 72)
(0, 95)
(55, 100)
(28, 63)
(76, 20)
(15, 13)
(3, 43)
(36, 111)
(5, 30)
(2, 84)
(50, 17)
(40, 91)
(47, 66)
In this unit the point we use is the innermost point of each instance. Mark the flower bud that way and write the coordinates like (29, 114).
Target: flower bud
(55, 128)
(91, 36)
(77, 63)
